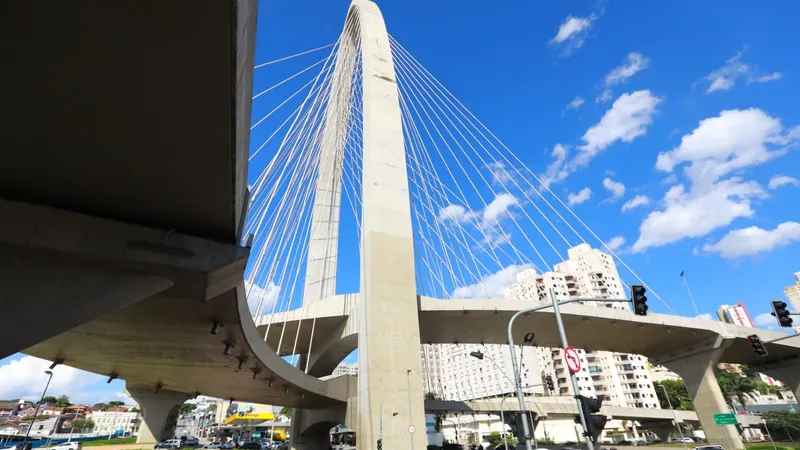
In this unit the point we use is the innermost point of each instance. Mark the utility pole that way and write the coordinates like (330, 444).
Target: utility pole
(573, 379)
(691, 297)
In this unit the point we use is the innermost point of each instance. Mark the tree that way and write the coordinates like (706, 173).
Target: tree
(286, 411)
(678, 394)
(116, 403)
(186, 408)
(735, 386)
(49, 400)
(786, 422)
(100, 406)
(82, 425)
(61, 402)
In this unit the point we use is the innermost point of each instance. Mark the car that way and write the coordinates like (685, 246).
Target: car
(253, 445)
(213, 445)
(169, 443)
(68, 446)
(709, 447)
(452, 447)
(686, 440)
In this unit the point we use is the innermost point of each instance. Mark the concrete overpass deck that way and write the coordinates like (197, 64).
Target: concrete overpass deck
(475, 321)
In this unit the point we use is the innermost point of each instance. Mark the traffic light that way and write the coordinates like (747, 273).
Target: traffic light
(639, 300)
(550, 385)
(514, 421)
(594, 422)
(380, 444)
(781, 313)
(758, 346)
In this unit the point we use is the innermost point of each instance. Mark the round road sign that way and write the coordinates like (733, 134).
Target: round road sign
(412, 429)
(573, 360)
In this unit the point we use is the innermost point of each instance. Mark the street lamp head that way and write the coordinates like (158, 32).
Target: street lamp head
(394, 414)
(528, 339)
(476, 354)
(48, 372)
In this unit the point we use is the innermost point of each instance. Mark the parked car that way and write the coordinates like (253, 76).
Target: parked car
(452, 447)
(68, 446)
(625, 443)
(685, 440)
(709, 447)
(169, 443)
(253, 445)
(213, 445)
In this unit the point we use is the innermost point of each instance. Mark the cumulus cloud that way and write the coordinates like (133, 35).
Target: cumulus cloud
(491, 285)
(634, 63)
(706, 316)
(25, 378)
(579, 197)
(697, 213)
(572, 33)
(487, 220)
(616, 188)
(558, 170)
(733, 140)
(266, 296)
(754, 240)
(574, 104)
(627, 119)
(782, 180)
(615, 243)
(499, 207)
(766, 320)
(500, 172)
(725, 77)
(635, 202)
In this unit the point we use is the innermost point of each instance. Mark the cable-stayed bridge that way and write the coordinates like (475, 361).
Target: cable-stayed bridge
(379, 209)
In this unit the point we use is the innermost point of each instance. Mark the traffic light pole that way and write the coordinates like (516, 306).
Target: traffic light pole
(518, 381)
(572, 377)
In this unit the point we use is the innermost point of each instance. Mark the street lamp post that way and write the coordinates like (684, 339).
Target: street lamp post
(674, 414)
(44, 392)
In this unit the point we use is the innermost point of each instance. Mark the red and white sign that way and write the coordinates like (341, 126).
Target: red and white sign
(412, 429)
(573, 360)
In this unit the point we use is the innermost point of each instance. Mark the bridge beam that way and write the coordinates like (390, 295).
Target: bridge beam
(696, 366)
(787, 372)
(661, 428)
(159, 411)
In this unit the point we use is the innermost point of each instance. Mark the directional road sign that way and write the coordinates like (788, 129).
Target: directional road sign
(725, 419)
(573, 360)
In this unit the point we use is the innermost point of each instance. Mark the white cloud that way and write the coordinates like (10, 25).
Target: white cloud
(579, 197)
(25, 378)
(671, 179)
(626, 120)
(782, 180)
(706, 316)
(452, 212)
(574, 104)
(753, 240)
(491, 285)
(615, 243)
(499, 207)
(733, 140)
(697, 213)
(765, 320)
(572, 33)
(634, 63)
(266, 296)
(725, 78)
(616, 189)
(558, 170)
(635, 202)
(499, 172)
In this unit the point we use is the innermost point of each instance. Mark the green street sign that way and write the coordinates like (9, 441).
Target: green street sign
(725, 419)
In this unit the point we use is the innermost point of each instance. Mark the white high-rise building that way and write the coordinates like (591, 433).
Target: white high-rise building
(793, 294)
(619, 379)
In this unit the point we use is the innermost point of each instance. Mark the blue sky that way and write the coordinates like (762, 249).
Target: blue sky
(518, 66)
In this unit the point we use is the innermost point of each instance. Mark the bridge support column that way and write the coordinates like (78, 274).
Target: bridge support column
(661, 428)
(789, 374)
(159, 411)
(310, 429)
(696, 366)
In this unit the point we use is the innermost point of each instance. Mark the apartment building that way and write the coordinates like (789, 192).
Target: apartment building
(346, 369)
(738, 315)
(619, 379)
(793, 294)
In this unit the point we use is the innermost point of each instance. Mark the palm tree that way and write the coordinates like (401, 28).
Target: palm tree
(735, 386)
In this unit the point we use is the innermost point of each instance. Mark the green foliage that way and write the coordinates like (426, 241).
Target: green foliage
(135, 410)
(495, 438)
(116, 403)
(49, 400)
(735, 386)
(82, 425)
(30, 417)
(785, 422)
(186, 408)
(678, 394)
(100, 406)
(286, 411)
